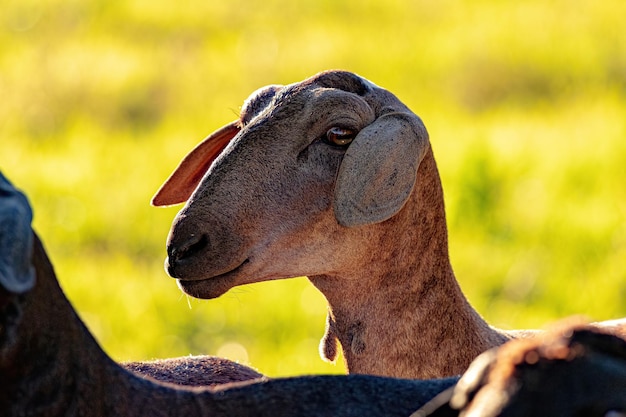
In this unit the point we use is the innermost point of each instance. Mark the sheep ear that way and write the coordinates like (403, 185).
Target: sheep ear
(379, 169)
(17, 274)
(186, 177)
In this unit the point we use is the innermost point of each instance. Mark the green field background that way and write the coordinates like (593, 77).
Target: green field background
(525, 103)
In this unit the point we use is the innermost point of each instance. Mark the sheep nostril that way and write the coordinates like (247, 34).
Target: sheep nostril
(189, 248)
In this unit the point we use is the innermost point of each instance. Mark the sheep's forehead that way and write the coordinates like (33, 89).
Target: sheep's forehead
(279, 99)
(311, 105)
(342, 80)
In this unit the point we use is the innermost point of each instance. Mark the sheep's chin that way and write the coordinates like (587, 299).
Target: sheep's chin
(206, 288)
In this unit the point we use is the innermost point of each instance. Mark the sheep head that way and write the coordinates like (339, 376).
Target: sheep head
(294, 186)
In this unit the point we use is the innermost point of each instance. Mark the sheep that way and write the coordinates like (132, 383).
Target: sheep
(50, 365)
(573, 370)
(332, 178)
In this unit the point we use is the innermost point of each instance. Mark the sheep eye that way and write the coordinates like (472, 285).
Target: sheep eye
(339, 136)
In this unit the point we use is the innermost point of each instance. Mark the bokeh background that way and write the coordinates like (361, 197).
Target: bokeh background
(525, 103)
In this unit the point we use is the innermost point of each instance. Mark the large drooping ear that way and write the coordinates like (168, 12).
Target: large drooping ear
(186, 177)
(17, 274)
(379, 169)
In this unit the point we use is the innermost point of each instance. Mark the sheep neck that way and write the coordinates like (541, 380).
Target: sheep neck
(49, 362)
(405, 316)
(42, 349)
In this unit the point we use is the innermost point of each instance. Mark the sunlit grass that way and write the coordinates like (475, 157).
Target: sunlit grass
(524, 103)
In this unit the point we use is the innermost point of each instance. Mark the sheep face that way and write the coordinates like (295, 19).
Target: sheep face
(297, 185)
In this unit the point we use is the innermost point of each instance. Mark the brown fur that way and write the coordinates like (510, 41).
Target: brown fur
(266, 210)
(194, 370)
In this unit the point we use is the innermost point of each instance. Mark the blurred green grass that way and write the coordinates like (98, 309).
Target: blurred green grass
(524, 101)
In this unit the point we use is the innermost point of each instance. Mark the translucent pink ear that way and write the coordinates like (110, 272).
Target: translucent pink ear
(379, 169)
(186, 177)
